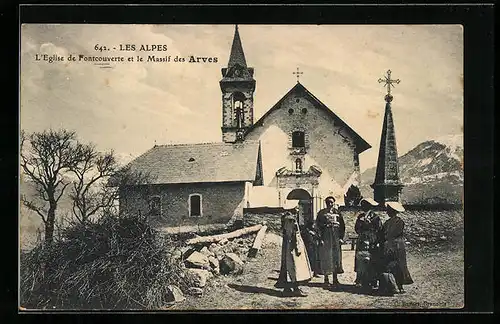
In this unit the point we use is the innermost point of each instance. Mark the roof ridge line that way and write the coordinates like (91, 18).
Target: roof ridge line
(203, 143)
(186, 144)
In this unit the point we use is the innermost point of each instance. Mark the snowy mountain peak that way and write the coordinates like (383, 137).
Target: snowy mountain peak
(453, 142)
(431, 171)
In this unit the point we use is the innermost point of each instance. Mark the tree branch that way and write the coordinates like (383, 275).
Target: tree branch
(62, 191)
(31, 205)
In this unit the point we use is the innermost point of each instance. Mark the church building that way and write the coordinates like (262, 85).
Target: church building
(299, 151)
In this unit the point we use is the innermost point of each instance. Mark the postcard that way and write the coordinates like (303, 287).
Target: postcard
(241, 167)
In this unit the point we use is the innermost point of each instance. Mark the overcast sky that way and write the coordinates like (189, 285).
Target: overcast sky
(130, 106)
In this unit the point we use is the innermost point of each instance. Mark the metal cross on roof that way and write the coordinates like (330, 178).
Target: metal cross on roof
(389, 83)
(298, 74)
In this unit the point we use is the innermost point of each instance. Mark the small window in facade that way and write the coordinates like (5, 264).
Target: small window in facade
(290, 111)
(298, 139)
(304, 110)
(155, 206)
(298, 165)
(195, 207)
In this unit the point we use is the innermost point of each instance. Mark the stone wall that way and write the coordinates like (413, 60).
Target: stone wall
(271, 220)
(220, 202)
(421, 226)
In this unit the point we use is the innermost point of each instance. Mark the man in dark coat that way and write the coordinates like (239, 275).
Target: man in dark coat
(295, 268)
(368, 226)
(394, 247)
(331, 229)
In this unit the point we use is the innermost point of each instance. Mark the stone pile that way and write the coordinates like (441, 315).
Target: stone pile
(204, 261)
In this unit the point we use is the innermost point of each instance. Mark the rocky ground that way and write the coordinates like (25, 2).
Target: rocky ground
(249, 282)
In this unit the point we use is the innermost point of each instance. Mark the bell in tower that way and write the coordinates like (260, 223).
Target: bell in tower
(237, 86)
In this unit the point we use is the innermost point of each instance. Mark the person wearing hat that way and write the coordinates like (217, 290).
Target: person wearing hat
(295, 268)
(367, 226)
(331, 230)
(394, 247)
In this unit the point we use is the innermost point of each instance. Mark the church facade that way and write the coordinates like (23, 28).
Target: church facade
(308, 152)
(298, 152)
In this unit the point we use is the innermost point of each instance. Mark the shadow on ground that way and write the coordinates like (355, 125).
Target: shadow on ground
(351, 289)
(256, 290)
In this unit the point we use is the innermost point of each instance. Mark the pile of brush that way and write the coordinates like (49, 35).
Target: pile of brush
(113, 263)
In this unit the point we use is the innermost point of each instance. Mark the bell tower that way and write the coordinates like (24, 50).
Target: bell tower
(237, 86)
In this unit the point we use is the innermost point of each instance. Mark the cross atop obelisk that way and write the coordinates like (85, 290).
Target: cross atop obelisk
(388, 82)
(387, 185)
(298, 74)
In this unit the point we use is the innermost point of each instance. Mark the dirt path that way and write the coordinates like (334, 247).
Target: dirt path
(438, 280)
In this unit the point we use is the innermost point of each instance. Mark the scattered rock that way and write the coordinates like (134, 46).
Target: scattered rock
(195, 291)
(220, 255)
(443, 237)
(242, 253)
(187, 251)
(175, 294)
(206, 251)
(199, 277)
(213, 247)
(423, 239)
(231, 264)
(198, 260)
(223, 241)
(214, 264)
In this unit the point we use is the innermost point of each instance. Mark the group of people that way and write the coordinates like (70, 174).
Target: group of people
(313, 248)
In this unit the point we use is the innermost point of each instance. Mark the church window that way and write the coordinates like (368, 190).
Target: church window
(298, 165)
(238, 110)
(155, 206)
(195, 205)
(298, 139)
(290, 111)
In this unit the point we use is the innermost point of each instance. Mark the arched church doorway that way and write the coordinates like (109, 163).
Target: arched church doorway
(304, 205)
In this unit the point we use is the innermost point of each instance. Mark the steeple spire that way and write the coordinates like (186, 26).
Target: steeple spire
(237, 55)
(387, 185)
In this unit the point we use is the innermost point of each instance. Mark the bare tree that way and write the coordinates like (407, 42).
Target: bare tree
(90, 193)
(99, 183)
(45, 157)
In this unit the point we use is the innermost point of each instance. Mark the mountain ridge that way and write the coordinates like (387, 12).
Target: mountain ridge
(432, 172)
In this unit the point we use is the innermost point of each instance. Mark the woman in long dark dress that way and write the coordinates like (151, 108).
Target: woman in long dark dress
(394, 247)
(331, 229)
(367, 226)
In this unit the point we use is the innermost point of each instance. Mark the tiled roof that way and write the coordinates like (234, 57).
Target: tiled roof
(200, 163)
(237, 55)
